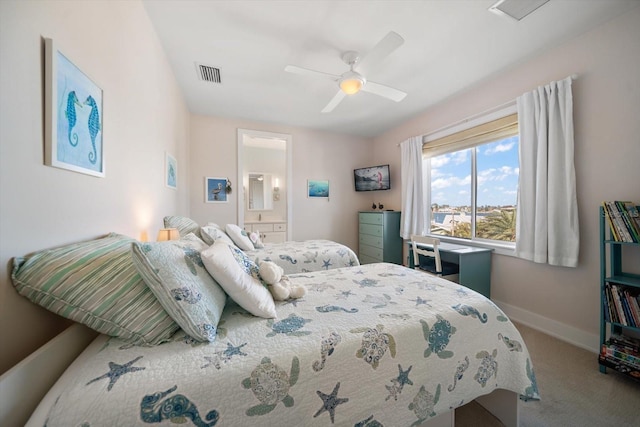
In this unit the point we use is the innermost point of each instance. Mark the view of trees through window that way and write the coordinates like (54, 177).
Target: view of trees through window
(495, 181)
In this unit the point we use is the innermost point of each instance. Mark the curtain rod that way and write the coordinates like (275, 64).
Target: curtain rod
(475, 116)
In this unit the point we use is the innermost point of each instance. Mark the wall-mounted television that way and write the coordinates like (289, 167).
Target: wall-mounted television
(372, 178)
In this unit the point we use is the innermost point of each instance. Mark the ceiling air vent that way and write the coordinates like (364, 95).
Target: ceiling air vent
(516, 9)
(208, 74)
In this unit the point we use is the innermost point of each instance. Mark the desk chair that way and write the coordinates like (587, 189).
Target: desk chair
(431, 262)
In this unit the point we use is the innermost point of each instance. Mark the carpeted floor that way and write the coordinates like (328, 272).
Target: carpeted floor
(573, 391)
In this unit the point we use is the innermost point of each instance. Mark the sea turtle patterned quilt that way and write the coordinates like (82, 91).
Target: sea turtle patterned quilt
(371, 345)
(306, 256)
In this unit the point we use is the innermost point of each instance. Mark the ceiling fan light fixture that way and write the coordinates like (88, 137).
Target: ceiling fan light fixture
(351, 82)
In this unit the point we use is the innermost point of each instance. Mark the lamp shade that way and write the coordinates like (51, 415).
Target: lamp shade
(165, 234)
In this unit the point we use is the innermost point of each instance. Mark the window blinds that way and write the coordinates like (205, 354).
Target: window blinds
(494, 130)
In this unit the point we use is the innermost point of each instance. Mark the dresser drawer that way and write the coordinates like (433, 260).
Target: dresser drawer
(263, 228)
(370, 240)
(279, 227)
(371, 251)
(364, 259)
(371, 218)
(371, 229)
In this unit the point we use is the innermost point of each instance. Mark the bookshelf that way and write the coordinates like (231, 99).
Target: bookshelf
(619, 299)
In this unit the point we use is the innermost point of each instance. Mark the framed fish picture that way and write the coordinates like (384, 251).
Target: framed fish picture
(73, 116)
(317, 189)
(216, 190)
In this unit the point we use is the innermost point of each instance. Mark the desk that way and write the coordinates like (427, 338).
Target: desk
(474, 263)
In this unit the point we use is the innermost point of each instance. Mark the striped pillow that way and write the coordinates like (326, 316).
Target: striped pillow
(95, 283)
(183, 224)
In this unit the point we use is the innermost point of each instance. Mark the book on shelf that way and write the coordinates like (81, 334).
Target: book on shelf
(624, 341)
(615, 233)
(624, 220)
(633, 215)
(621, 228)
(619, 366)
(613, 353)
(623, 305)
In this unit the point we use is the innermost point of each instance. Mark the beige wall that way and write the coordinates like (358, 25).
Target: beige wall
(606, 94)
(316, 155)
(144, 115)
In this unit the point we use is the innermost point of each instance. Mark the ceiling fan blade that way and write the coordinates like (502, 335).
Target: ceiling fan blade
(334, 102)
(307, 72)
(384, 91)
(385, 47)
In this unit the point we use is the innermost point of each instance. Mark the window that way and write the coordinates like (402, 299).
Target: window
(472, 180)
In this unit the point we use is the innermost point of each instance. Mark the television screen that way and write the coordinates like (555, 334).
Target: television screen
(372, 178)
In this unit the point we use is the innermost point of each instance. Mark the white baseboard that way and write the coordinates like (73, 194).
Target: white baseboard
(575, 336)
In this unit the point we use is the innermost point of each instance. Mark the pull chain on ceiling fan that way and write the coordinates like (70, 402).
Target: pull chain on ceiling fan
(354, 80)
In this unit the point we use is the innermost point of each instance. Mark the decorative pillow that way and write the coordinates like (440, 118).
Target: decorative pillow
(211, 233)
(95, 283)
(175, 273)
(239, 237)
(183, 224)
(238, 275)
(254, 236)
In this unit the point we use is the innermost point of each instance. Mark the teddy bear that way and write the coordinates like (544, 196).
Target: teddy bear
(279, 285)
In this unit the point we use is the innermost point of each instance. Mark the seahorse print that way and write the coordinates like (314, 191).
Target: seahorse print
(329, 308)
(327, 346)
(467, 310)
(70, 113)
(512, 345)
(175, 408)
(94, 126)
(288, 258)
(462, 366)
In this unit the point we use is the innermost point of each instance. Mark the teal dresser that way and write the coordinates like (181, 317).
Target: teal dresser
(379, 239)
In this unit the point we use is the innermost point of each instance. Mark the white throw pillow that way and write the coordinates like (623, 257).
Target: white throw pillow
(238, 276)
(211, 233)
(239, 237)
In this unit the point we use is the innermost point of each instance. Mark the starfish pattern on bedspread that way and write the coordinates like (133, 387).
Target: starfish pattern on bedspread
(330, 402)
(116, 371)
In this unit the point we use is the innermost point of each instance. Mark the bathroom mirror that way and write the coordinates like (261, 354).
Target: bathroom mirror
(265, 154)
(260, 194)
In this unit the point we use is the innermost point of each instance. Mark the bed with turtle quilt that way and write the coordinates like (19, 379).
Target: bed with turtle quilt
(293, 256)
(370, 345)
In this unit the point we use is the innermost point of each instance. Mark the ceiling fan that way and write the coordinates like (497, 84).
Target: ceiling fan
(354, 80)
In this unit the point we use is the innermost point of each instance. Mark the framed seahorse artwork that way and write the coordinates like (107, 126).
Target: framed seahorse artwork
(170, 171)
(73, 116)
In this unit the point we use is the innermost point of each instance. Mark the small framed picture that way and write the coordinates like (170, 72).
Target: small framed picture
(318, 188)
(170, 171)
(73, 116)
(215, 190)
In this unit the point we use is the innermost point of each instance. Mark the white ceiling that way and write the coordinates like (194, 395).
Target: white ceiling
(450, 46)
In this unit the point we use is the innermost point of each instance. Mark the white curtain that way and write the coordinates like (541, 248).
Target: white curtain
(547, 213)
(413, 209)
